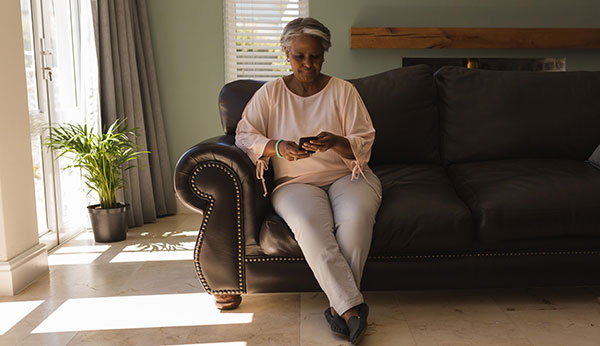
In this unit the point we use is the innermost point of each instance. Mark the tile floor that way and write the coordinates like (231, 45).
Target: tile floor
(144, 291)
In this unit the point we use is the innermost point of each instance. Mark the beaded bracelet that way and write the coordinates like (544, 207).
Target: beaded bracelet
(277, 148)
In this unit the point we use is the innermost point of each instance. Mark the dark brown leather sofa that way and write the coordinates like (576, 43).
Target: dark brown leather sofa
(484, 180)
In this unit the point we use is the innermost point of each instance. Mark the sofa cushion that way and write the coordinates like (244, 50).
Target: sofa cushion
(489, 115)
(277, 239)
(233, 98)
(420, 212)
(403, 106)
(530, 198)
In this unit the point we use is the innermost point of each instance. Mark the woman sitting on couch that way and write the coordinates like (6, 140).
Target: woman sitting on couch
(325, 191)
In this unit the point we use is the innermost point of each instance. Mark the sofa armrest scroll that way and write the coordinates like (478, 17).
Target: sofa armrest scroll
(218, 179)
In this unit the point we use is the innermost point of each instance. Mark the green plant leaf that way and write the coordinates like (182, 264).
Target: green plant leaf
(101, 157)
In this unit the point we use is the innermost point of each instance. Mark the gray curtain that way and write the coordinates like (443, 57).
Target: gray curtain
(128, 89)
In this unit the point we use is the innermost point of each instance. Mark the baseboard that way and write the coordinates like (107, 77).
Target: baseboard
(23, 270)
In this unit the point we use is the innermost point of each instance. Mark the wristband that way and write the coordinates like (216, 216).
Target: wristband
(277, 148)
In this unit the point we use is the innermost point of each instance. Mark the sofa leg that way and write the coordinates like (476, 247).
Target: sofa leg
(227, 301)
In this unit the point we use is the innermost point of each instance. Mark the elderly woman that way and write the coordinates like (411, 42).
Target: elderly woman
(324, 190)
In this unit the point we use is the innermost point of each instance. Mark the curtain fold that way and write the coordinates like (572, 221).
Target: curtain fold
(129, 90)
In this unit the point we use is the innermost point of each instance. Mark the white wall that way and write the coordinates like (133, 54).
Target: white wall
(21, 256)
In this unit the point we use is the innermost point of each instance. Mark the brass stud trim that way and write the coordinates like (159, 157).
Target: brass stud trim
(203, 227)
(441, 256)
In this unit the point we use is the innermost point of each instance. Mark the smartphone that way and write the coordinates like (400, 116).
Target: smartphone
(305, 140)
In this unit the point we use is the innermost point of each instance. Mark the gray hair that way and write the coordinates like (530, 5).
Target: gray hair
(307, 26)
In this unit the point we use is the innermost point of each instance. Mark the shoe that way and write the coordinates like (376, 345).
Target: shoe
(357, 325)
(337, 323)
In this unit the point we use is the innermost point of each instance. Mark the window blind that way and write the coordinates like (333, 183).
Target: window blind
(252, 32)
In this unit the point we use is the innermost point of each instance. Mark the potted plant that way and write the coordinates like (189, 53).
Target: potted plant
(102, 158)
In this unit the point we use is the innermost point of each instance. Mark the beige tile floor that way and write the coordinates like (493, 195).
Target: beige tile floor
(144, 291)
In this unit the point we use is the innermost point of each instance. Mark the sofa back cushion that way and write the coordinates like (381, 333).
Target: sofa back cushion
(403, 106)
(490, 115)
(232, 101)
(401, 102)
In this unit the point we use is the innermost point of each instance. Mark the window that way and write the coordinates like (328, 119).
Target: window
(62, 84)
(252, 32)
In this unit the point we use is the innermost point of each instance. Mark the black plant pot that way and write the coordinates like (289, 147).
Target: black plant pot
(109, 225)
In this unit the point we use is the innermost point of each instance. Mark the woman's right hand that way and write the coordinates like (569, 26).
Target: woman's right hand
(291, 152)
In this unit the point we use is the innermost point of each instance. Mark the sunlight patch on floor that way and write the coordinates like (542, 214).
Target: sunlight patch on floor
(156, 251)
(82, 249)
(84, 254)
(89, 235)
(13, 312)
(66, 259)
(131, 312)
(171, 234)
(234, 343)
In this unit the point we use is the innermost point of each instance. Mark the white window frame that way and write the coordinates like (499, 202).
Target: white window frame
(252, 32)
(63, 88)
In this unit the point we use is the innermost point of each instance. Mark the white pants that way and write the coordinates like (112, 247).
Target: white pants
(333, 226)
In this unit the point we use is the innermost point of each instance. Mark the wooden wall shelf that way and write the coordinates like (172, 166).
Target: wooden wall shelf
(557, 38)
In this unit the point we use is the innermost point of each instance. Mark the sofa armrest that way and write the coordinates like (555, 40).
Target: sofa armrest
(216, 178)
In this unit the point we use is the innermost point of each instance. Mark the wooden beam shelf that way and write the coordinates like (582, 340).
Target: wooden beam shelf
(557, 38)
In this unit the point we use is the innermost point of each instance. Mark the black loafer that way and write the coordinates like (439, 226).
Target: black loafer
(337, 324)
(358, 324)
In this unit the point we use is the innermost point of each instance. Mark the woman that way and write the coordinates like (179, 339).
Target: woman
(324, 191)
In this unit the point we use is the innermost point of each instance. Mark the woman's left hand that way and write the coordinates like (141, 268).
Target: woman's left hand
(325, 141)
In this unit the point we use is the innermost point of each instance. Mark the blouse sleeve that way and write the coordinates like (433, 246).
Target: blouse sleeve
(251, 132)
(358, 130)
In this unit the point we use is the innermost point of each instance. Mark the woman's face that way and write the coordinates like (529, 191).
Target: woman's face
(306, 56)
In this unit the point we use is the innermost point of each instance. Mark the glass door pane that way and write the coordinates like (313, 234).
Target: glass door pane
(61, 27)
(52, 44)
(38, 119)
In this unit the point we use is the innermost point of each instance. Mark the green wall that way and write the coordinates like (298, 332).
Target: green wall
(187, 40)
(188, 44)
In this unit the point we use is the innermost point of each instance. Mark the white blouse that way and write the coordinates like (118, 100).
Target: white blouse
(275, 112)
